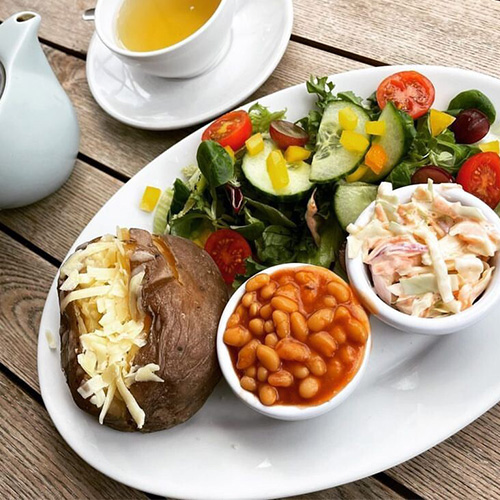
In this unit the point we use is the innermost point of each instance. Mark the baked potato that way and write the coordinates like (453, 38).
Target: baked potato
(139, 317)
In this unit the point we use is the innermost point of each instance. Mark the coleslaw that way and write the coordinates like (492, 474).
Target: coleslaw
(428, 257)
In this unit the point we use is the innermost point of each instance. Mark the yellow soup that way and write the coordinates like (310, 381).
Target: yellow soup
(145, 25)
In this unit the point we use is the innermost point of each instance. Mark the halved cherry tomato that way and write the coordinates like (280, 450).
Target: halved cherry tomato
(438, 175)
(286, 134)
(229, 250)
(410, 91)
(231, 129)
(480, 175)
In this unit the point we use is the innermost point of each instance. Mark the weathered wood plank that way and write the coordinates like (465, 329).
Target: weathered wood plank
(25, 279)
(365, 489)
(126, 149)
(61, 24)
(465, 466)
(427, 31)
(118, 146)
(35, 461)
(54, 222)
(463, 34)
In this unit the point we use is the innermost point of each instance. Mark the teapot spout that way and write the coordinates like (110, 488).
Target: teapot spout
(15, 32)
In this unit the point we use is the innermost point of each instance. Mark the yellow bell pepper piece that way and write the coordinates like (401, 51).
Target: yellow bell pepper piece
(276, 168)
(255, 144)
(150, 198)
(375, 128)
(439, 121)
(348, 119)
(296, 153)
(353, 141)
(376, 158)
(493, 147)
(357, 174)
(230, 152)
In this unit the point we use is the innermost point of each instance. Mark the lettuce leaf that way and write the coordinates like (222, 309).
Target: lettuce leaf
(261, 117)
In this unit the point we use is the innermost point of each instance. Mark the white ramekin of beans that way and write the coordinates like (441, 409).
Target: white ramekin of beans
(293, 341)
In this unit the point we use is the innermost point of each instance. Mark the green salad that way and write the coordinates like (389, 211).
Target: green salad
(265, 191)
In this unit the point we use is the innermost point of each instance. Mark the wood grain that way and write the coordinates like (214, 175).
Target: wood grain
(54, 223)
(463, 33)
(25, 279)
(366, 489)
(106, 140)
(126, 149)
(35, 461)
(466, 466)
(62, 24)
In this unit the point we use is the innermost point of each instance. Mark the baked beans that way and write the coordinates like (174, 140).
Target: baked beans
(297, 337)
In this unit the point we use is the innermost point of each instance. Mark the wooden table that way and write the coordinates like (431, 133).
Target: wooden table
(329, 36)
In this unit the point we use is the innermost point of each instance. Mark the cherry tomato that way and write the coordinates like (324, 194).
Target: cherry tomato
(231, 129)
(438, 175)
(286, 134)
(410, 91)
(480, 175)
(229, 250)
(470, 126)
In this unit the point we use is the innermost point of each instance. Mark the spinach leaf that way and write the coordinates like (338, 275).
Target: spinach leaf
(270, 214)
(261, 117)
(401, 174)
(469, 99)
(331, 237)
(215, 163)
(250, 231)
(181, 196)
(276, 246)
(253, 228)
(190, 225)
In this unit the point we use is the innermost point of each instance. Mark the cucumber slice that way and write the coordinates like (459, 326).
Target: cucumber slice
(399, 134)
(255, 171)
(331, 160)
(351, 199)
(161, 213)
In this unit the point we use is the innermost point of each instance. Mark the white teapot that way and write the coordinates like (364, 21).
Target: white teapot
(39, 133)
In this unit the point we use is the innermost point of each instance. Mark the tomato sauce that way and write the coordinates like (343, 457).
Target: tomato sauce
(329, 344)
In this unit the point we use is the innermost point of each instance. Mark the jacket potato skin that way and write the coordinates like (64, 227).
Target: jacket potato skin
(183, 294)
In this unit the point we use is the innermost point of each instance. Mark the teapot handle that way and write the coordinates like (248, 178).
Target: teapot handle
(16, 30)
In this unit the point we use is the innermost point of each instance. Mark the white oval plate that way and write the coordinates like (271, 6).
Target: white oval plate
(260, 34)
(417, 390)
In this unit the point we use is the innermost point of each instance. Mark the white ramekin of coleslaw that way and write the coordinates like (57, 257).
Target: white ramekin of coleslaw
(423, 258)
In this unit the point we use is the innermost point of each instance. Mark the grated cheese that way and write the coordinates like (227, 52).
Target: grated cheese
(51, 340)
(111, 323)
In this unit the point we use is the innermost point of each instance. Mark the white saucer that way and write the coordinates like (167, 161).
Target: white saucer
(260, 34)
